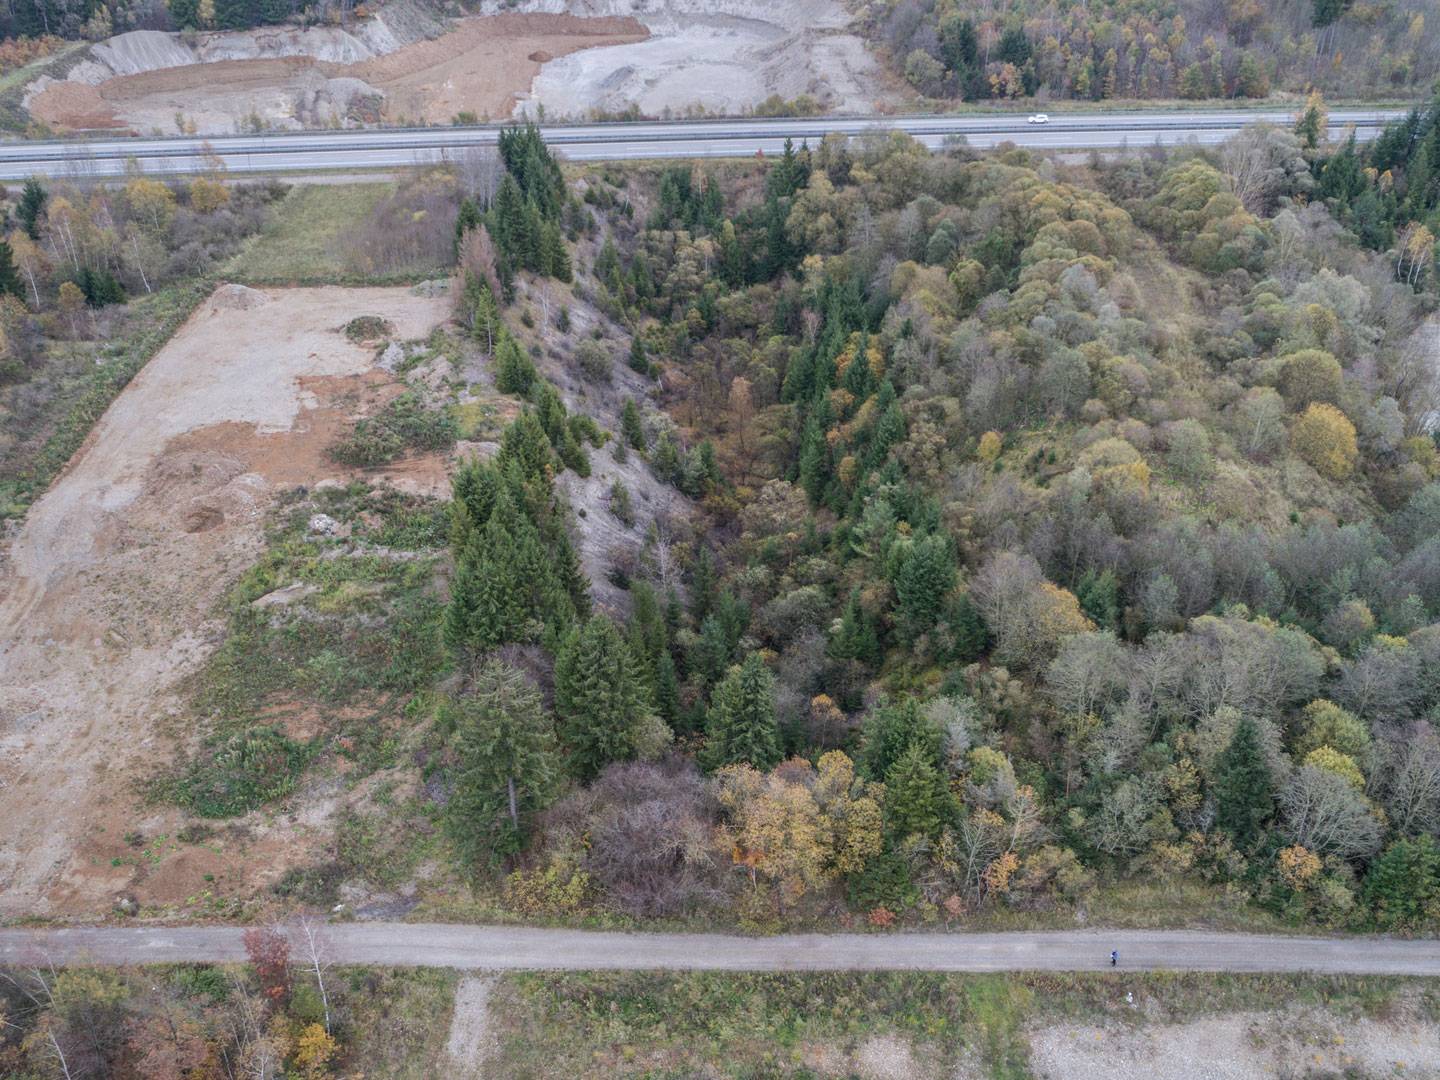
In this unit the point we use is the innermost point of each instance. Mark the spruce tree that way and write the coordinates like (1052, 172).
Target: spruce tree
(464, 600)
(638, 360)
(814, 461)
(554, 258)
(855, 639)
(648, 637)
(598, 697)
(498, 614)
(526, 445)
(741, 723)
(506, 766)
(32, 205)
(631, 428)
(667, 689)
(917, 798)
(1099, 596)
(710, 655)
(514, 370)
(468, 218)
(924, 578)
(507, 218)
(9, 277)
(1244, 789)
(486, 324)
(1402, 886)
(890, 731)
(968, 633)
(665, 462)
(704, 585)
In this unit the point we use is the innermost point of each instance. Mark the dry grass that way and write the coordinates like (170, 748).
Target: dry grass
(832, 1024)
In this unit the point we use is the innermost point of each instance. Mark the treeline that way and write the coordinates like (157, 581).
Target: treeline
(282, 1013)
(1388, 192)
(1196, 49)
(1066, 527)
(93, 20)
(524, 215)
(71, 250)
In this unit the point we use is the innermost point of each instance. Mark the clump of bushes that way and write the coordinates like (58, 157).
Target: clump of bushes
(235, 774)
(368, 328)
(404, 424)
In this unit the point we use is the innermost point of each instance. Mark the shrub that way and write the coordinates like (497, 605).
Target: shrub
(237, 774)
(1325, 439)
(404, 424)
(368, 328)
(594, 360)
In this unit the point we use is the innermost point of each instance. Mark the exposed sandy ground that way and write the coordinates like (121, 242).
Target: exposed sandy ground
(485, 64)
(108, 590)
(471, 1040)
(1245, 1046)
(603, 540)
(723, 56)
(570, 56)
(482, 66)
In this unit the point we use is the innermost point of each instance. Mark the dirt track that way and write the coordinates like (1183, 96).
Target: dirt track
(107, 597)
(512, 948)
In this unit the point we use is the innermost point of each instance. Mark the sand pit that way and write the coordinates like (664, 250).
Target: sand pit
(574, 57)
(719, 56)
(481, 66)
(485, 64)
(108, 590)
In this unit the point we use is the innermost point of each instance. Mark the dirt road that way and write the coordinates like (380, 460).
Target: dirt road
(512, 948)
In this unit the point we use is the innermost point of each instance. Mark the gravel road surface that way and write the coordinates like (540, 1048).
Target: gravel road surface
(519, 948)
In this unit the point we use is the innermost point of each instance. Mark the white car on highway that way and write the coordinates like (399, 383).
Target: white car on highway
(1038, 118)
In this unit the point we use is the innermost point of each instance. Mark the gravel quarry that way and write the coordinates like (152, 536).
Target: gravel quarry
(405, 65)
(400, 66)
(708, 56)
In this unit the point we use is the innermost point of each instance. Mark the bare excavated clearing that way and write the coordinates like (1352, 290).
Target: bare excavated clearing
(151, 81)
(715, 56)
(108, 590)
(403, 65)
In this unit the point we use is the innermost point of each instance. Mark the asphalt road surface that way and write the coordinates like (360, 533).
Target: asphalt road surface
(522, 948)
(362, 149)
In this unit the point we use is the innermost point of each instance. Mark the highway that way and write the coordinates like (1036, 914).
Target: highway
(542, 948)
(401, 148)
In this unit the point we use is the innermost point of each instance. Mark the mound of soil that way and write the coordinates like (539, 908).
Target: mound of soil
(236, 298)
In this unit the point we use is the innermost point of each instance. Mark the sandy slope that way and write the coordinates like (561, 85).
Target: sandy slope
(723, 56)
(107, 596)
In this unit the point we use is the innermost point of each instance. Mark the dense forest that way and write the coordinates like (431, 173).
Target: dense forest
(1193, 49)
(1039, 532)
(1047, 528)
